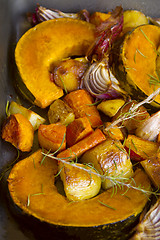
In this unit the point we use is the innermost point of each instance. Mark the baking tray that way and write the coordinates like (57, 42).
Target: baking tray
(12, 25)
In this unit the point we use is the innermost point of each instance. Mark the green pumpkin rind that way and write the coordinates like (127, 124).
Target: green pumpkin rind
(123, 69)
(88, 219)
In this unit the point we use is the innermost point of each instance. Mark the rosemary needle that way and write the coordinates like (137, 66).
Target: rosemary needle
(106, 205)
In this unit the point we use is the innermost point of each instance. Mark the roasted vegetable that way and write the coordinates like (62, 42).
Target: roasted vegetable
(32, 188)
(33, 117)
(78, 183)
(144, 148)
(133, 119)
(19, 132)
(148, 228)
(52, 137)
(82, 146)
(152, 167)
(111, 159)
(111, 107)
(98, 17)
(133, 19)
(67, 74)
(100, 82)
(39, 49)
(77, 130)
(82, 104)
(60, 112)
(139, 54)
(114, 133)
(42, 14)
(150, 128)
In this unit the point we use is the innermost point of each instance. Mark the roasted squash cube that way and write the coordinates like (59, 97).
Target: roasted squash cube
(77, 130)
(52, 137)
(82, 146)
(19, 132)
(33, 117)
(82, 104)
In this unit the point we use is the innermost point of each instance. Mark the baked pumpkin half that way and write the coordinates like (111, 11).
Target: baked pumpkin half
(33, 189)
(44, 45)
(139, 59)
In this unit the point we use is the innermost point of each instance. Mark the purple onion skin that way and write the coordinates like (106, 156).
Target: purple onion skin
(36, 17)
(110, 94)
(106, 33)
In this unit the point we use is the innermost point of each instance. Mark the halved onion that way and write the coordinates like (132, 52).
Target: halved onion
(101, 83)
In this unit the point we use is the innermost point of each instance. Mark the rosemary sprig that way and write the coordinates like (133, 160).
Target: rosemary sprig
(134, 144)
(153, 80)
(106, 205)
(117, 180)
(44, 157)
(121, 149)
(65, 89)
(34, 194)
(95, 103)
(7, 108)
(158, 53)
(132, 112)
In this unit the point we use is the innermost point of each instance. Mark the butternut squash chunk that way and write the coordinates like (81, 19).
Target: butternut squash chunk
(78, 130)
(19, 132)
(46, 44)
(82, 146)
(82, 104)
(33, 117)
(52, 137)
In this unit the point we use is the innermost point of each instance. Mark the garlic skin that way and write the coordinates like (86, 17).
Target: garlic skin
(100, 82)
(149, 227)
(150, 128)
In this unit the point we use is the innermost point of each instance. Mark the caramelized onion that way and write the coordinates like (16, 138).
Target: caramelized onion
(101, 83)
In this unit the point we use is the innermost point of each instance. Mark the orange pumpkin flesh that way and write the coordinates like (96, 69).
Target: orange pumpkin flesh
(139, 54)
(28, 177)
(44, 45)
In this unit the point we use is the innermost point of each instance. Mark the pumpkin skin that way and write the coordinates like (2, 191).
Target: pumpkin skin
(138, 56)
(44, 45)
(87, 219)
